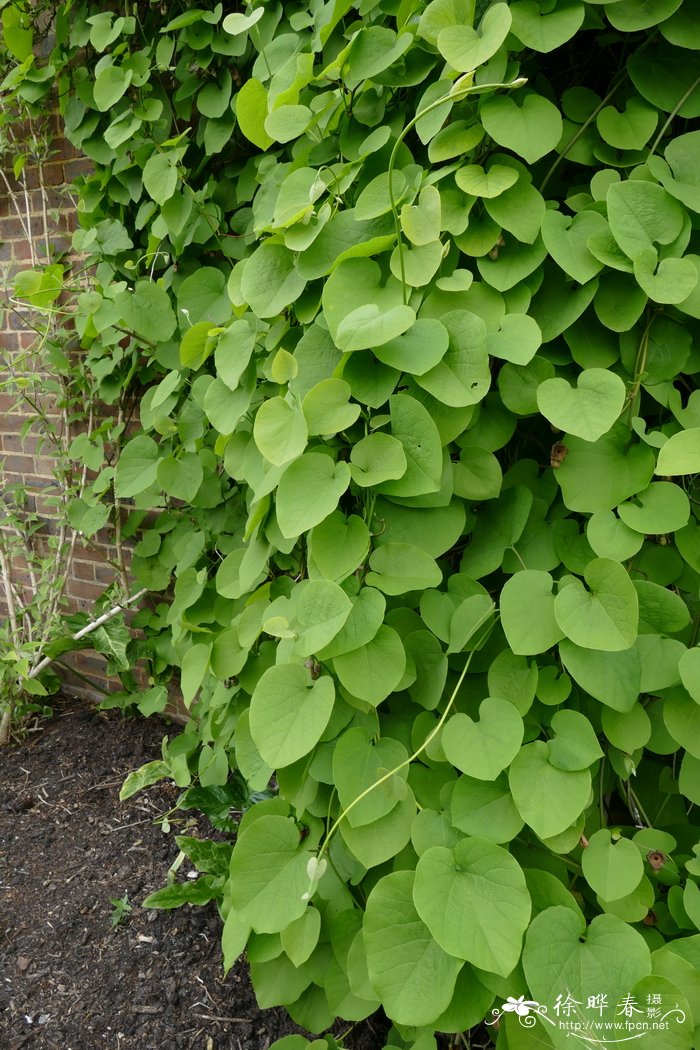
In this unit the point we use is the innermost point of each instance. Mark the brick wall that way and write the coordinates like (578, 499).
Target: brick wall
(22, 458)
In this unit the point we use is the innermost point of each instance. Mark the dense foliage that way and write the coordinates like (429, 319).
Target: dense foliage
(411, 293)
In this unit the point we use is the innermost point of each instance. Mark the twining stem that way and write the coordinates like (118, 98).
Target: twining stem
(584, 127)
(671, 117)
(459, 90)
(416, 754)
(639, 369)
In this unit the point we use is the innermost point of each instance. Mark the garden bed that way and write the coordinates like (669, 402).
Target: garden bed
(68, 979)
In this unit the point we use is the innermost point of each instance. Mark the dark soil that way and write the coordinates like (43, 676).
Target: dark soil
(70, 981)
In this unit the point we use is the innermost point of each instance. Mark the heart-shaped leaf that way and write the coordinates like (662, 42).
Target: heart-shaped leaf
(546, 31)
(680, 454)
(466, 48)
(485, 748)
(411, 973)
(566, 240)
(474, 900)
(547, 798)
(606, 615)
(531, 126)
(527, 613)
(288, 713)
(630, 129)
(588, 410)
(612, 868)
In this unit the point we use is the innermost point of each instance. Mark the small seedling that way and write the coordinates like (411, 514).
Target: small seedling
(120, 909)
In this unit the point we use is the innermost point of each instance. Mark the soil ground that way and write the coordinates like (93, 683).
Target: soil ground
(70, 981)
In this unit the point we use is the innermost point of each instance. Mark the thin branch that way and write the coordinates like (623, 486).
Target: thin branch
(84, 631)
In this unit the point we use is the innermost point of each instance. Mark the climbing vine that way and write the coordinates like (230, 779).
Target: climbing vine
(411, 294)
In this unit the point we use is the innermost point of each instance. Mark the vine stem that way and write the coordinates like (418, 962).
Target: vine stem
(584, 127)
(671, 117)
(462, 87)
(639, 367)
(416, 754)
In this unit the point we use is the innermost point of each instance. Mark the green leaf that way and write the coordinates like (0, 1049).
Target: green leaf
(418, 349)
(251, 112)
(309, 491)
(485, 809)
(566, 240)
(665, 280)
(194, 666)
(147, 311)
(289, 712)
(408, 970)
(270, 281)
(689, 667)
(613, 678)
(660, 508)
(321, 611)
(338, 545)
(181, 478)
(562, 956)
(547, 798)
(466, 48)
(203, 296)
(599, 476)
(376, 458)
(631, 15)
(531, 126)
(630, 129)
(280, 431)
(401, 567)
(479, 183)
(588, 410)
(268, 876)
(611, 538)
(233, 352)
(327, 409)
(359, 763)
(477, 475)
(680, 454)
(485, 748)
(234, 937)
(160, 176)
(527, 613)
(462, 377)
(373, 670)
(642, 214)
(288, 122)
(612, 868)
(606, 615)
(376, 843)
(301, 936)
(575, 744)
(110, 84)
(546, 31)
(370, 325)
(142, 778)
(517, 340)
(136, 467)
(411, 424)
(474, 901)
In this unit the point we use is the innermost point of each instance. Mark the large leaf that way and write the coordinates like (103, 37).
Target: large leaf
(547, 798)
(604, 616)
(474, 901)
(409, 971)
(268, 874)
(288, 713)
(309, 491)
